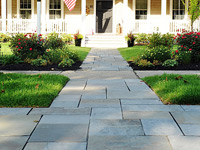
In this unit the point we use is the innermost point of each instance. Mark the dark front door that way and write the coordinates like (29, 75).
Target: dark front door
(104, 16)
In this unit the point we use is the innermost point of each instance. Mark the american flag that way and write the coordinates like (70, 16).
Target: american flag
(70, 4)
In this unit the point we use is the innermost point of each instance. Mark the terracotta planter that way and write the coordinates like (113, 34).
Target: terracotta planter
(78, 42)
(130, 43)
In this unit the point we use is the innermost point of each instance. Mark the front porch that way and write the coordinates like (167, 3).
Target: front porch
(145, 16)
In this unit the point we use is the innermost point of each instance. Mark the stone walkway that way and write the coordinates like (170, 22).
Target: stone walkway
(103, 107)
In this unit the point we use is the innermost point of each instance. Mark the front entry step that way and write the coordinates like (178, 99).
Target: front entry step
(113, 41)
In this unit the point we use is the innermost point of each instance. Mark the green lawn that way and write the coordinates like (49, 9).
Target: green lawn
(130, 53)
(176, 89)
(5, 49)
(82, 51)
(19, 90)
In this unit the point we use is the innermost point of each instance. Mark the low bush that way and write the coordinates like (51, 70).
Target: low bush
(67, 38)
(170, 63)
(54, 41)
(66, 62)
(183, 57)
(159, 53)
(39, 62)
(144, 63)
(10, 60)
(189, 42)
(156, 39)
(142, 38)
(27, 46)
(4, 37)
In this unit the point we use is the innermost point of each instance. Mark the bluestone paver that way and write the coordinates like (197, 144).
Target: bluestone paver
(184, 142)
(100, 103)
(56, 146)
(140, 102)
(14, 111)
(190, 129)
(106, 113)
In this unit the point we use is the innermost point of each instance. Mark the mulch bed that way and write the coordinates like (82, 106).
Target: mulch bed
(26, 66)
(194, 66)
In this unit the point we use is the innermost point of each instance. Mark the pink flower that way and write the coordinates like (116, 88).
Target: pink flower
(190, 49)
(181, 45)
(30, 49)
(19, 43)
(193, 43)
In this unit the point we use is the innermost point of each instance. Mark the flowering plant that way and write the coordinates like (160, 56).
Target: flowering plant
(130, 37)
(27, 46)
(78, 36)
(188, 42)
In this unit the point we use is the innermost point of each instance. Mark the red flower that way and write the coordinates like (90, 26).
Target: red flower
(176, 51)
(196, 37)
(190, 49)
(25, 35)
(19, 43)
(29, 35)
(40, 35)
(183, 37)
(193, 43)
(19, 49)
(26, 39)
(172, 52)
(30, 49)
(19, 39)
(184, 47)
(181, 45)
(17, 46)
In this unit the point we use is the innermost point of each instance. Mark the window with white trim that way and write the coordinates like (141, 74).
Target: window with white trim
(141, 9)
(54, 9)
(25, 9)
(178, 10)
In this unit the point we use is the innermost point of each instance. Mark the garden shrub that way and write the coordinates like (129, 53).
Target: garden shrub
(67, 38)
(27, 46)
(159, 53)
(156, 39)
(54, 41)
(39, 62)
(170, 63)
(10, 60)
(183, 57)
(142, 38)
(144, 63)
(4, 37)
(189, 42)
(66, 62)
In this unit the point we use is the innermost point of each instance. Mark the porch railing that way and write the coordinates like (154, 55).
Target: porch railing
(30, 26)
(172, 26)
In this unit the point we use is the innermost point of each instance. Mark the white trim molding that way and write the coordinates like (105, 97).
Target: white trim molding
(32, 9)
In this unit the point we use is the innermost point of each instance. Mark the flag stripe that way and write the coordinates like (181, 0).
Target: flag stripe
(70, 4)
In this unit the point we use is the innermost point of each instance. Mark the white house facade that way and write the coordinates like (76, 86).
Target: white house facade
(95, 16)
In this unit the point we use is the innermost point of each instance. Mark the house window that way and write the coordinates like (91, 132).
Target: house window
(141, 9)
(178, 10)
(54, 9)
(25, 9)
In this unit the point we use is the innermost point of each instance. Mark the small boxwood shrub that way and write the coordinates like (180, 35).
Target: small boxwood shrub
(159, 53)
(156, 39)
(142, 38)
(10, 60)
(54, 41)
(170, 63)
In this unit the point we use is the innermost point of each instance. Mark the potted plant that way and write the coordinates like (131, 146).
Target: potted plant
(78, 37)
(130, 38)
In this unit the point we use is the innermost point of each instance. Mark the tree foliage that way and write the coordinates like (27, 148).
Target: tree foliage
(193, 10)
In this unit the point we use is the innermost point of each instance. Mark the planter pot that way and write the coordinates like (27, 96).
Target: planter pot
(78, 42)
(130, 43)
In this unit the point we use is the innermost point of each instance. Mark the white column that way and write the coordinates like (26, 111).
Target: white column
(3, 14)
(164, 24)
(44, 16)
(186, 10)
(38, 17)
(9, 15)
(125, 23)
(83, 21)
